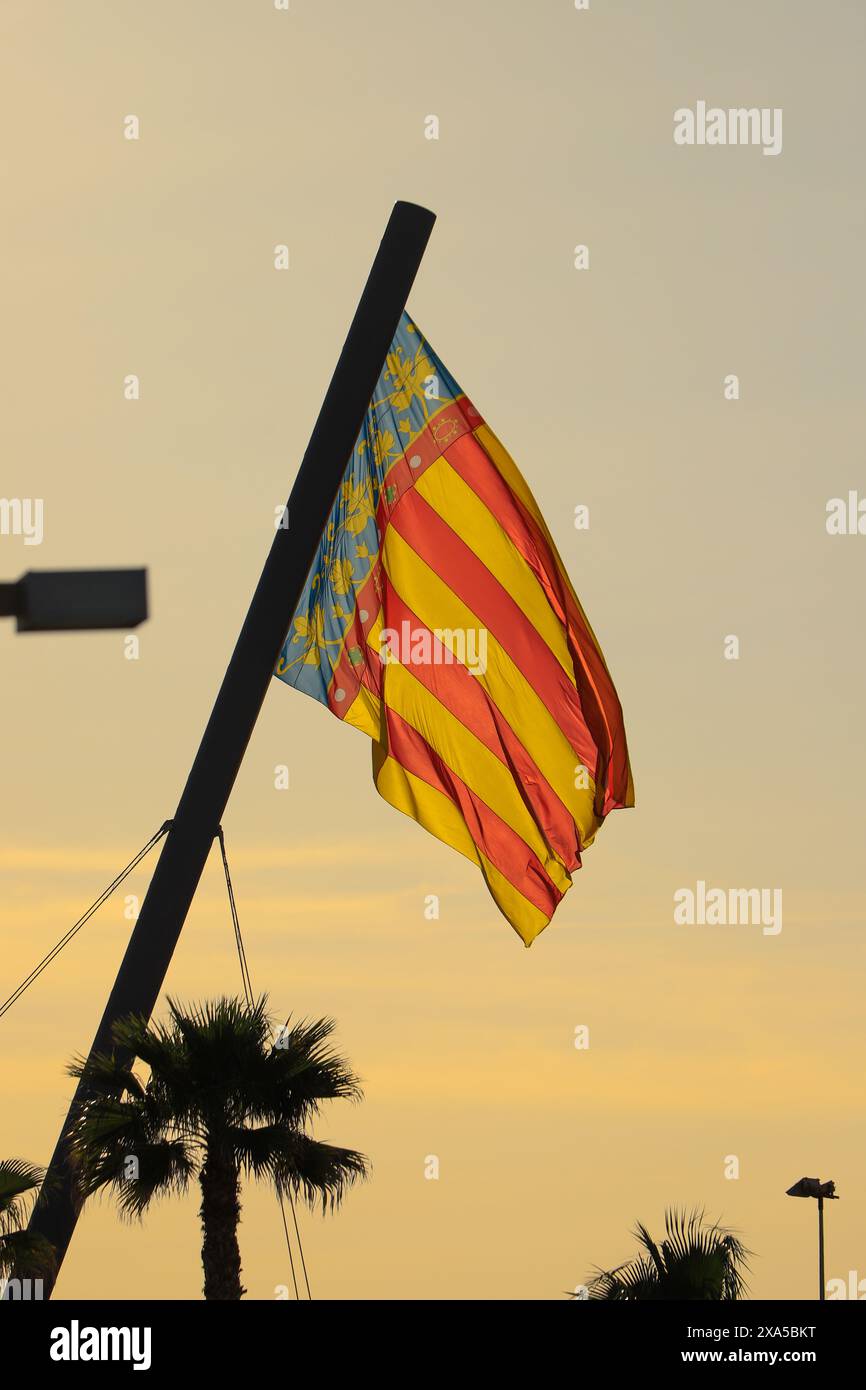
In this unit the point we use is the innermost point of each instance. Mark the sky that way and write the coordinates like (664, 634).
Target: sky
(724, 1062)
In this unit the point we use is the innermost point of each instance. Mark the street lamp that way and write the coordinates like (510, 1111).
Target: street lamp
(814, 1187)
(75, 600)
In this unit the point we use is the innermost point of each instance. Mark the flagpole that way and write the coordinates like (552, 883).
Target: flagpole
(249, 672)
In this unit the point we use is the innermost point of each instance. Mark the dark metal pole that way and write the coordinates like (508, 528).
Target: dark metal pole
(246, 680)
(821, 1293)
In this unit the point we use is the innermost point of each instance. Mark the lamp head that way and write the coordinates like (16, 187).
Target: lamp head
(812, 1187)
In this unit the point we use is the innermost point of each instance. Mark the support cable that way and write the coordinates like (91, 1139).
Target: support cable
(83, 920)
(250, 999)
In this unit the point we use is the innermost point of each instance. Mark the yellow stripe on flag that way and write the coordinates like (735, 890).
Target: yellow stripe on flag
(440, 817)
(514, 478)
(480, 769)
(462, 510)
(435, 604)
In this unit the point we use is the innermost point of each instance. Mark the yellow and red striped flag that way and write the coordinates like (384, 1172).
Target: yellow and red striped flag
(438, 618)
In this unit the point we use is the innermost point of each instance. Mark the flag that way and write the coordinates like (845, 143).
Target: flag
(438, 618)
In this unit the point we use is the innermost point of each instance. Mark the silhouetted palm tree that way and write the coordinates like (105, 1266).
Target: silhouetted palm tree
(696, 1260)
(224, 1097)
(21, 1252)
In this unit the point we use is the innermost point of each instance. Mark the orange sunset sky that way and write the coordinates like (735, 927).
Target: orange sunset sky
(707, 518)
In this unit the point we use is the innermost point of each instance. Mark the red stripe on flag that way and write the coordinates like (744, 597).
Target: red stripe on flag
(460, 692)
(348, 675)
(448, 556)
(497, 841)
(452, 421)
(600, 701)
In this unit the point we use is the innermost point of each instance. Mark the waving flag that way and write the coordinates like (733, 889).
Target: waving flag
(438, 618)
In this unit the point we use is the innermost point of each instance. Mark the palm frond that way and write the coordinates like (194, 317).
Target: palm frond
(696, 1259)
(106, 1075)
(216, 1077)
(303, 1071)
(139, 1175)
(18, 1179)
(318, 1173)
(26, 1255)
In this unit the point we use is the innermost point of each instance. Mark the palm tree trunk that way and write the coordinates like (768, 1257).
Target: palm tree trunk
(220, 1213)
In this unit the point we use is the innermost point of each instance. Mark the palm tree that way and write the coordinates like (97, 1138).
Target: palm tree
(21, 1252)
(696, 1260)
(223, 1098)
